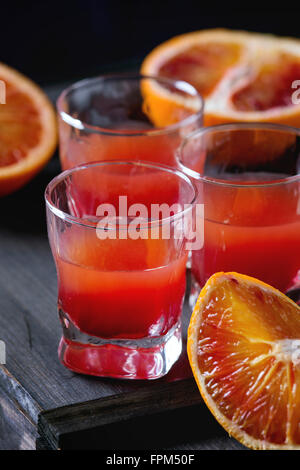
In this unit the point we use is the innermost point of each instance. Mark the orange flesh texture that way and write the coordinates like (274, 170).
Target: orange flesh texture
(271, 87)
(242, 324)
(205, 65)
(202, 65)
(20, 126)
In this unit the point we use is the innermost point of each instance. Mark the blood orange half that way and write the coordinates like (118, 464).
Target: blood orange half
(28, 134)
(244, 350)
(242, 76)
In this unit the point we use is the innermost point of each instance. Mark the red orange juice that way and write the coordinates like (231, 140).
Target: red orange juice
(270, 253)
(252, 230)
(121, 274)
(119, 288)
(248, 182)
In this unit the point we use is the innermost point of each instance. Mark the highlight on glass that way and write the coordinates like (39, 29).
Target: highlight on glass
(248, 178)
(121, 275)
(126, 118)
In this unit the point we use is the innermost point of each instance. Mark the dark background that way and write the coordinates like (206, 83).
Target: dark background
(54, 41)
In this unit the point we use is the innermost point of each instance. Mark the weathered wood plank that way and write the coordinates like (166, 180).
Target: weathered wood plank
(17, 432)
(110, 422)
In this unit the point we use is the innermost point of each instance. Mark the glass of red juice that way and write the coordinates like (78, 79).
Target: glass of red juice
(248, 180)
(125, 117)
(119, 234)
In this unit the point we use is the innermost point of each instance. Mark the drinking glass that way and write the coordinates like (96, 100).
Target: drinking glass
(119, 233)
(248, 180)
(126, 118)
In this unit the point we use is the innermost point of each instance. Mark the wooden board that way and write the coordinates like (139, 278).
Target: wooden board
(38, 394)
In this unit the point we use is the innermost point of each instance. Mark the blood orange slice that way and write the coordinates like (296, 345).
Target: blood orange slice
(244, 350)
(242, 76)
(28, 134)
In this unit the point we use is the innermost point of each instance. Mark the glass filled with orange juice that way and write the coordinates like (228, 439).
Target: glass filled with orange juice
(126, 118)
(248, 178)
(120, 233)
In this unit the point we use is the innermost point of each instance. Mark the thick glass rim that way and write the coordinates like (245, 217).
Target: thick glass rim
(181, 85)
(232, 127)
(148, 222)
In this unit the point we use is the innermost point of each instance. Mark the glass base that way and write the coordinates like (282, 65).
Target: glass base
(144, 358)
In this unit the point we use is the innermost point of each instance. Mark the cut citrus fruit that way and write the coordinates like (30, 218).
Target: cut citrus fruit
(244, 350)
(242, 76)
(28, 134)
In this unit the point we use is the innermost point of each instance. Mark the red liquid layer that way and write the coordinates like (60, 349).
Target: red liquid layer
(271, 254)
(253, 231)
(122, 304)
(120, 289)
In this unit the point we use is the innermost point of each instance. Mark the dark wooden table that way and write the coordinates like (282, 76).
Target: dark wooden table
(44, 405)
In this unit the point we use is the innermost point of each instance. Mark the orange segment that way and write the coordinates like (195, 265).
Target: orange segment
(27, 130)
(242, 76)
(244, 350)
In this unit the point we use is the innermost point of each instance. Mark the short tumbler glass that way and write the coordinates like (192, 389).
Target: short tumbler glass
(248, 178)
(126, 118)
(119, 234)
